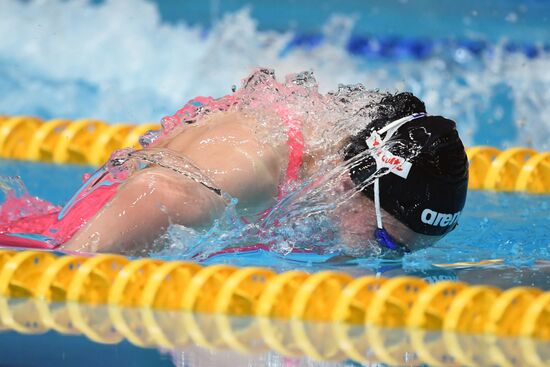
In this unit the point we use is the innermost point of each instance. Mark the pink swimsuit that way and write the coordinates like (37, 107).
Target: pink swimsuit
(49, 230)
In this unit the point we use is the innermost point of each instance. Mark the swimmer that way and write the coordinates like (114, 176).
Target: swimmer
(420, 200)
(186, 176)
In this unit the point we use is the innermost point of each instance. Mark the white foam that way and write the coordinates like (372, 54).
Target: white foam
(117, 61)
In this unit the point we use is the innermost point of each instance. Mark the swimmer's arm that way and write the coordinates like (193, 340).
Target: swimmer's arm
(148, 202)
(143, 207)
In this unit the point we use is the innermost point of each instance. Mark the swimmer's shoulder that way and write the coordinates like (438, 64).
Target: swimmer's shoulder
(227, 149)
(219, 124)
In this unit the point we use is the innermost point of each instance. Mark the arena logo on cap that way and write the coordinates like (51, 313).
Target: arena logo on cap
(434, 218)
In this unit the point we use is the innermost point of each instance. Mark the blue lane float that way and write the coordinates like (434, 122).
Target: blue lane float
(401, 48)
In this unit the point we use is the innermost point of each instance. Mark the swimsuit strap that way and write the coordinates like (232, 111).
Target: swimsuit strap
(295, 139)
(295, 142)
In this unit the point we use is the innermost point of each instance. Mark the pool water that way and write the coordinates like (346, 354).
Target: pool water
(60, 350)
(509, 227)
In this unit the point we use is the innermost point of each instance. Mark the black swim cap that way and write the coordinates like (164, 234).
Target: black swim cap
(429, 200)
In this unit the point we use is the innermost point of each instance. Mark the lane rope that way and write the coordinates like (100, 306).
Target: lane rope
(326, 296)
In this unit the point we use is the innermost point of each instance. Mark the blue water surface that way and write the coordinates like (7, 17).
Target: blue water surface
(54, 349)
(520, 21)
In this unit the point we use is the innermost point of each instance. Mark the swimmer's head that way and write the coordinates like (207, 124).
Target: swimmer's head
(429, 198)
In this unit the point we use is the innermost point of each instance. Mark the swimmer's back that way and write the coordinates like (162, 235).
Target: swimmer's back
(226, 147)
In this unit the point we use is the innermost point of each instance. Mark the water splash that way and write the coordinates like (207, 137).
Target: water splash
(138, 69)
(17, 203)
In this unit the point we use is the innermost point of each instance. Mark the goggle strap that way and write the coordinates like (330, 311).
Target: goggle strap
(377, 204)
(392, 127)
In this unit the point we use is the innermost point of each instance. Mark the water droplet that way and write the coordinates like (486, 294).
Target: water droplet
(95, 238)
(149, 138)
(120, 166)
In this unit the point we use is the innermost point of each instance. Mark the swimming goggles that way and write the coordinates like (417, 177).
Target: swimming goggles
(381, 235)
